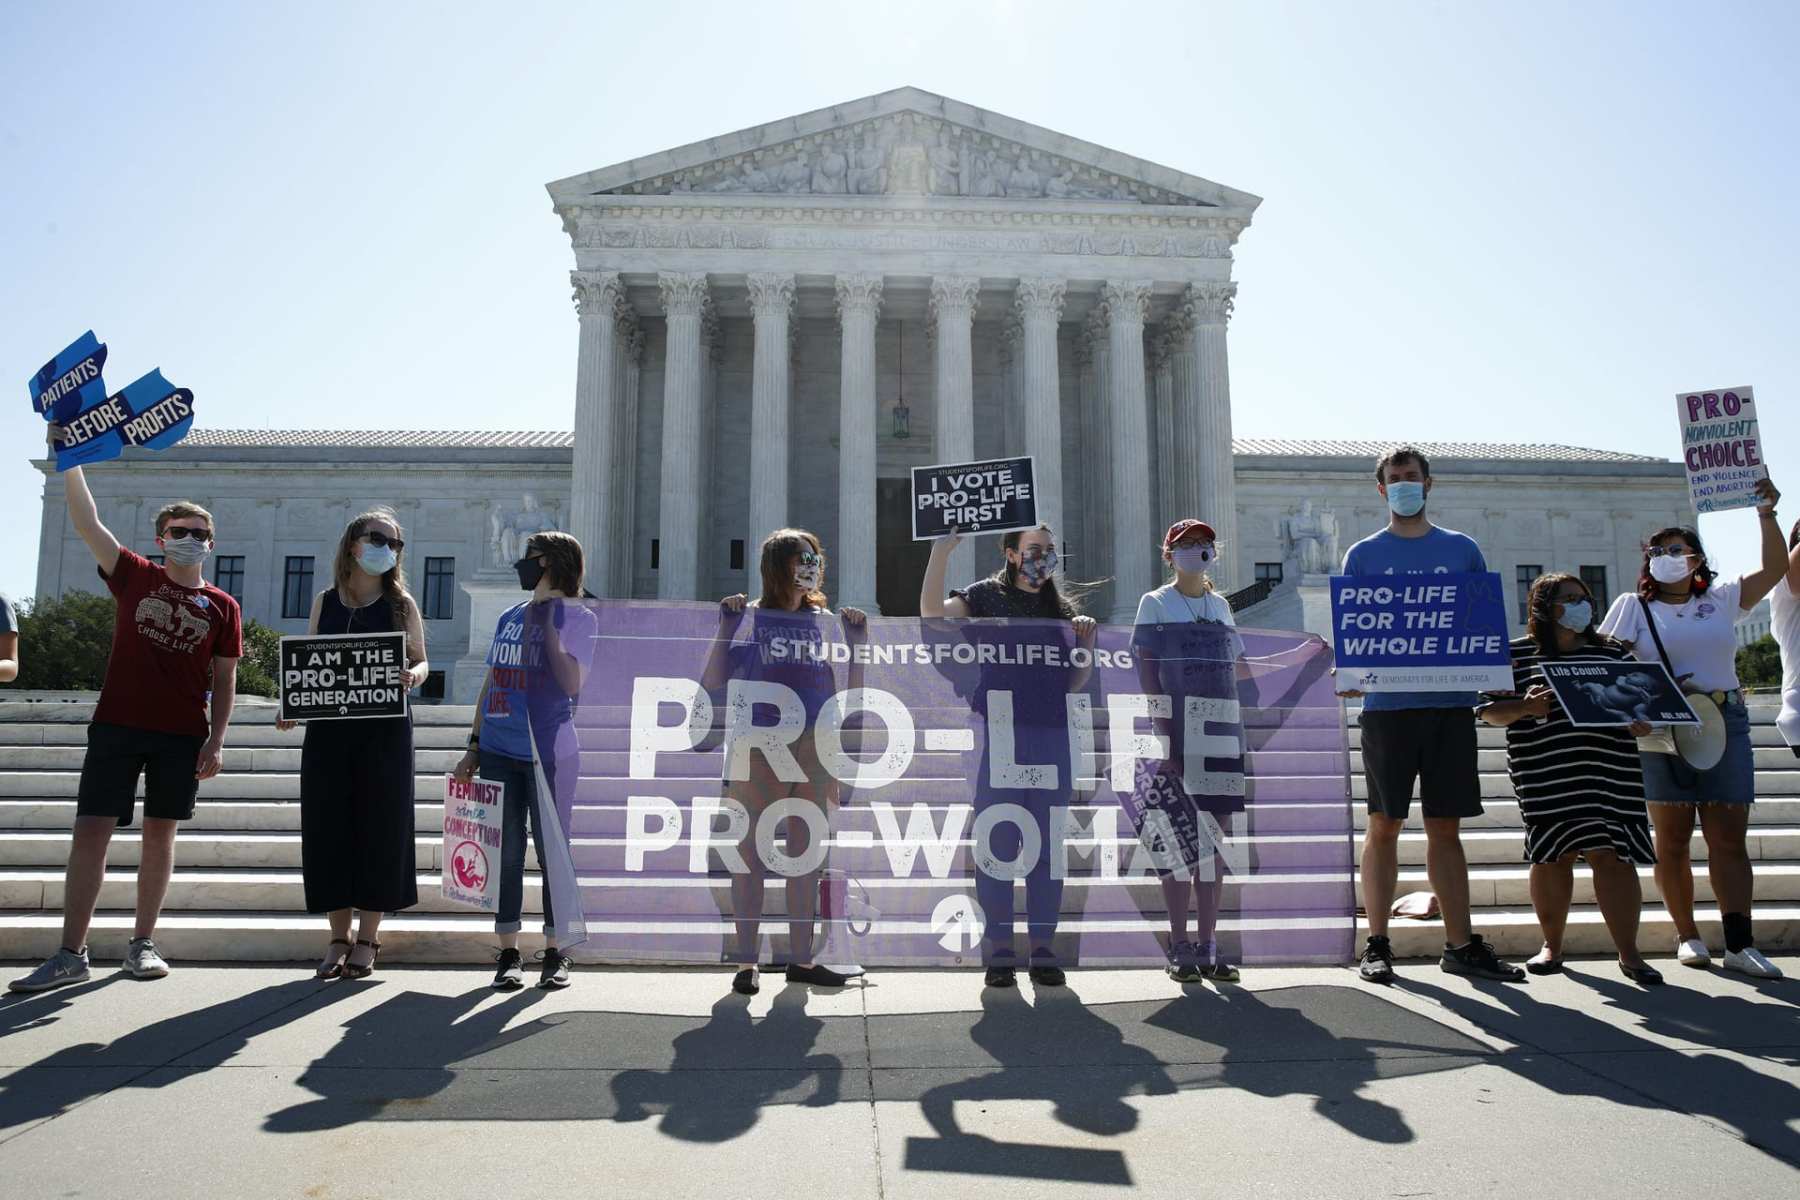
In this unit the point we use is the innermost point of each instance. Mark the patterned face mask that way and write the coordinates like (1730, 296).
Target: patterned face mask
(1038, 568)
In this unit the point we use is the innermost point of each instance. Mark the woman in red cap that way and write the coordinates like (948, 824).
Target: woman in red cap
(1186, 646)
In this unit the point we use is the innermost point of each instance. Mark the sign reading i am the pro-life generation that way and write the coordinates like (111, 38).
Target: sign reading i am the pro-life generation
(1420, 633)
(472, 835)
(68, 390)
(343, 676)
(995, 496)
(1617, 693)
(1721, 448)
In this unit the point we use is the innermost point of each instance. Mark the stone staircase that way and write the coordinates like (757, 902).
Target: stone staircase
(236, 893)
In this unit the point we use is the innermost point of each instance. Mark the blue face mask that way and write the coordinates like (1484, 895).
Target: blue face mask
(1577, 615)
(378, 560)
(1406, 498)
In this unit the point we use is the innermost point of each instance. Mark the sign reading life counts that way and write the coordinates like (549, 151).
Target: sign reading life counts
(342, 676)
(1420, 633)
(150, 412)
(995, 496)
(1721, 448)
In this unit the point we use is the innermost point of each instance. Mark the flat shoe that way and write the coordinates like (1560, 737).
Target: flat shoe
(1644, 976)
(1544, 966)
(744, 982)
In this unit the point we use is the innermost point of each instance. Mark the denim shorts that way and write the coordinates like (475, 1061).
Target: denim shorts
(1731, 780)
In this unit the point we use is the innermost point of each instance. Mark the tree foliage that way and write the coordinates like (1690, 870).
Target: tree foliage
(1759, 663)
(261, 664)
(64, 642)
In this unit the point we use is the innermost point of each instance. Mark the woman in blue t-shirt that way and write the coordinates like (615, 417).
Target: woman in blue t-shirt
(785, 646)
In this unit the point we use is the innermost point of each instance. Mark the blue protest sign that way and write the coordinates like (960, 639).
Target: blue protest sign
(1420, 633)
(150, 412)
(71, 381)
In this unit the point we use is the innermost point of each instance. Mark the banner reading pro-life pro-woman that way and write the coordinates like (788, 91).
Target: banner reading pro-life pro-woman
(762, 784)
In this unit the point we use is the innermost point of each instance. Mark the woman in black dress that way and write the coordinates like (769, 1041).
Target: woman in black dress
(356, 777)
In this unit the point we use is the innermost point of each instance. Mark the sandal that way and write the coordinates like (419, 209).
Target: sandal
(332, 966)
(354, 970)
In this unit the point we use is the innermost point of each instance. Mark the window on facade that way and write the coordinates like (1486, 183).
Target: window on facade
(1525, 573)
(296, 586)
(155, 558)
(440, 589)
(655, 553)
(433, 687)
(228, 575)
(1269, 573)
(1595, 578)
(737, 554)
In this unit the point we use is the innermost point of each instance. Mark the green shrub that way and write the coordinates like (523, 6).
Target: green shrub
(1759, 663)
(261, 663)
(64, 642)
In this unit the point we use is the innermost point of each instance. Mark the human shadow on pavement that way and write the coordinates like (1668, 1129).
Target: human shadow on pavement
(34, 1010)
(1611, 1063)
(189, 1042)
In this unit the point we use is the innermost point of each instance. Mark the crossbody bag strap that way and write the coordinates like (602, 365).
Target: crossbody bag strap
(1656, 637)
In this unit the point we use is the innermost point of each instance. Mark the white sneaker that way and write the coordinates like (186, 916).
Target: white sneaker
(1750, 961)
(1692, 953)
(142, 960)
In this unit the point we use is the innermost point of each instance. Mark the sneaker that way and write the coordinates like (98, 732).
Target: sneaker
(510, 975)
(555, 972)
(1002, 977)
(1377, 962)
(142, 961)
(1047, 974)
(1691, 952)
(1212, 966)
(1184, 963)
(59, 970)
(1750, 961)
(1477, 959)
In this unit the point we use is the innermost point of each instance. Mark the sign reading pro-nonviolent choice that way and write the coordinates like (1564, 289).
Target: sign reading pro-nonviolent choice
(1721, 448)
(1420, 633)
(334, 677)
(995, 496)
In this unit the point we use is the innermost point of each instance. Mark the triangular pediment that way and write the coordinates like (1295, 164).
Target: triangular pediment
(904, 142)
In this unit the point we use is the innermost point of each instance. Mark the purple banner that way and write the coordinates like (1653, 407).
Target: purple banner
(943, 792)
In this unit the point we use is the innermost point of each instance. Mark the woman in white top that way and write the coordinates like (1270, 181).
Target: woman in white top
(1784, 610)
(1185, 645)
(1680, 604)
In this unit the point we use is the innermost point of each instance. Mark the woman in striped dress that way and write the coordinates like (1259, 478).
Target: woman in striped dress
(1580, 789)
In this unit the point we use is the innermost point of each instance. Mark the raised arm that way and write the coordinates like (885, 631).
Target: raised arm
(86, 519)
(1793, 568)
(1774, 551)
(933, 602)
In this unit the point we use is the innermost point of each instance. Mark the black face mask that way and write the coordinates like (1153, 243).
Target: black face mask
(530, 572)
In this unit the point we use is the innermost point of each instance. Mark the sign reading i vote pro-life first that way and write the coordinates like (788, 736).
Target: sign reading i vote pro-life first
(340, 676)
(150, 411)
(1721, 447)
(996, 496)
(1420, 633)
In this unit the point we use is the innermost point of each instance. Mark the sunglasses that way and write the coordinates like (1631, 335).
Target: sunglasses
(175, 533)
(1667, 552)
(376, 538)
(808, 559)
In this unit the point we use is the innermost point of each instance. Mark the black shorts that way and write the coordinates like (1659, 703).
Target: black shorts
(118, 754)
(1433, 747)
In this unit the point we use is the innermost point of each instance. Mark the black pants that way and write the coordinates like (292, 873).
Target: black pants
(356, 815)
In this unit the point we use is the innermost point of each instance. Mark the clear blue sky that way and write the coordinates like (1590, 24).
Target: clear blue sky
(1481, 222)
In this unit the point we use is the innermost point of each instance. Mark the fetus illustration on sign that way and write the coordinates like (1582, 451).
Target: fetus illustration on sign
(1628, 696)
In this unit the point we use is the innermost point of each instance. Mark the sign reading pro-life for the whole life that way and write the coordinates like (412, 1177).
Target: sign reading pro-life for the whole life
(1721, 448)
(341, 676)
(995, 496)
(1420, 633)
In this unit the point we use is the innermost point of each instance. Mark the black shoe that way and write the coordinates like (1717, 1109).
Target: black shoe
(1377, 963)
(1478, 960)
(555, 972)
(1643, 975)
(1002, 977)
(1046, 974)
(744, 982)
(510, 974)
(816, 976)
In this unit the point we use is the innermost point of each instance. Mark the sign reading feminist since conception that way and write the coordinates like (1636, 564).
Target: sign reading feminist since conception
(957, 750)
(472, 836)
(1421, 633)
(340, 676)
(150, 411)
(996, 496)
(1721, 448)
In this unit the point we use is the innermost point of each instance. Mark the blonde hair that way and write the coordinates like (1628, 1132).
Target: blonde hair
(177, 510)
(393, 583)
(563, 560)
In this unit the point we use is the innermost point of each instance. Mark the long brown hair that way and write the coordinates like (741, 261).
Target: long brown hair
(779, 550)
(393, 583)
(1540, 605)
(1703, 574)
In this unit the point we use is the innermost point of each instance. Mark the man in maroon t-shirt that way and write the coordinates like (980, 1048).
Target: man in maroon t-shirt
(162, 714)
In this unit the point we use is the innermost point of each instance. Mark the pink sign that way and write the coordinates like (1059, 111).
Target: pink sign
(1721, 448)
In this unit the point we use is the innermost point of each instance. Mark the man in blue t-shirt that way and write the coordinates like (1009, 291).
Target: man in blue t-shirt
(1423, 738)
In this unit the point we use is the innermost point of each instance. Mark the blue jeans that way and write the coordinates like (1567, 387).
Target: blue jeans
(519, 805)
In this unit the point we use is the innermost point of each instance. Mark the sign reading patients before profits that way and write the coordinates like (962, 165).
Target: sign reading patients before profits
(1420, 633)
(996, 496)
(472, 833)
(1617, 693)
(1721, 448)
(341, 676)
(150, 411)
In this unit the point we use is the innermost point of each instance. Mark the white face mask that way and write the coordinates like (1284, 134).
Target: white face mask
(378, 560)
(1669, 568)
(1192, 558)
(1577, 615)
(185, 552)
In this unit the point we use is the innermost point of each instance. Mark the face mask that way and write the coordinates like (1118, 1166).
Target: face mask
(1577, 615)
(1039, 570)
(1669, 568)
(530, 571)
(1406, 498)
(1192, 558)
(185, 552)
(378, 560)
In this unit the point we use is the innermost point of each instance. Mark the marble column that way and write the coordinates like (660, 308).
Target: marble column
(953, 303)
(597, 297)
(1011, 368)
(684, 383)
(625, 548)
(772, 309)
(1133, 550)
(712, 348)
(1098, 423)
(1040, 304)
(859, 303)
(1203, 427)
(1162, 427)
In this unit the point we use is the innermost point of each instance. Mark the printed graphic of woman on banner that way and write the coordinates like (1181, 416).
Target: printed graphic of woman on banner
(773, 773)
(1026, 776)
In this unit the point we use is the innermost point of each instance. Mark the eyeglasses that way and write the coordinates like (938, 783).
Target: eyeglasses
(175, 533)
(808, 559)
(377, 538)
(1667, 552)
